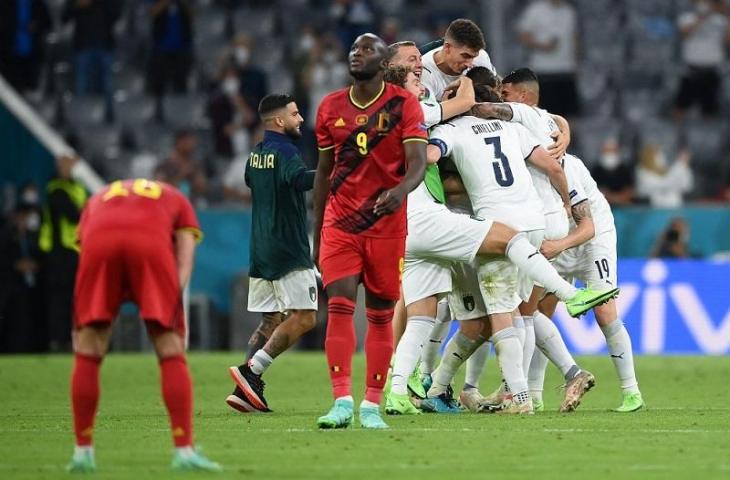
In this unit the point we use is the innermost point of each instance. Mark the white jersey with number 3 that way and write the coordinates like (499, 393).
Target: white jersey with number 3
(490, 156)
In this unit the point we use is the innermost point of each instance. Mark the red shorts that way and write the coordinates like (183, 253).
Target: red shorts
(379, 261)
(122, 266)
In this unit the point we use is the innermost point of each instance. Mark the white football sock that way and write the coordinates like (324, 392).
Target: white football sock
(530, 261)
(519, 324)
(509, 354)
(528, 345)
(475, 366)
(260, 362)
(550, 342)
(619, 347)
(432, 346)
(408, 352)
(368, 404)
(459, 348)
(536, 374)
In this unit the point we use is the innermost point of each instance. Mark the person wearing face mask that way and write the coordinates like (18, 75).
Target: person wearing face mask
(615, 179)
(20, 296)
(663, 185)
(253, 83)
(232, 118)
(705, 33)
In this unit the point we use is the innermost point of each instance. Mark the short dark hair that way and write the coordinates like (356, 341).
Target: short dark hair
(483, 93)
(521, 75)
(483, 76)
(465, 32)
(394, 47)
(397, 75)
(274, 101)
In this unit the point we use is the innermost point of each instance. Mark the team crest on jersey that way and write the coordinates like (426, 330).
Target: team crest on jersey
(361, 119)
(340, 122)
(313, 293)
(469, 303)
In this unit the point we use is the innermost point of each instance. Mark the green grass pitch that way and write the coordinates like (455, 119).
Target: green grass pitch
(684, 433)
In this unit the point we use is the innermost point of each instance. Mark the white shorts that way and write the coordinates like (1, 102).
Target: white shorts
(297, 290)
(436, 238)
(557, 225)
(593, 263)
(466, 301)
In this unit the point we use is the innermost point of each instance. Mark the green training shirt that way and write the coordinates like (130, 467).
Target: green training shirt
(278, 179)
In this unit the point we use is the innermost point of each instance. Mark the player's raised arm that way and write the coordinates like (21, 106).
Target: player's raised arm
(461, 102)
(562, 138)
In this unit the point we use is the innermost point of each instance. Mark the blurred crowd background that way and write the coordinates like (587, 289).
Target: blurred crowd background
(169, 89)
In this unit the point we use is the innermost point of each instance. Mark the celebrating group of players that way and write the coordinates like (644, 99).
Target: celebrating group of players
(492, 196)
(438, 197)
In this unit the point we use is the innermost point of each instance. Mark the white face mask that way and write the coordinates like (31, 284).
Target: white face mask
(610, 160)
(306, 43)
(242, 55)
(33, 221)
(230, 86)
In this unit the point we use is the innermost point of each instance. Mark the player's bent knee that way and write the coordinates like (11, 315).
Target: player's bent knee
(306, 319)
(606, 313)
(425, 307)
(167, 343)
(497, 239)
(92, 340)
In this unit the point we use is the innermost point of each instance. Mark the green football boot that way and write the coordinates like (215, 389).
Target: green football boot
(585, 299)
(339, 416)
(400, 405)
(631, 403)
(415, 386)
(193, 462)
(538, 405)
(370, 418)
(82, 462)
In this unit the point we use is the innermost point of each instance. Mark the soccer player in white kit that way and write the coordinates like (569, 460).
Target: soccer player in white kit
(588, 254)
(463, 48)
(490, 156)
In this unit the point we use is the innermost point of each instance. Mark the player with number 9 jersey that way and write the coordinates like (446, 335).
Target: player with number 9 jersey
(127, 237)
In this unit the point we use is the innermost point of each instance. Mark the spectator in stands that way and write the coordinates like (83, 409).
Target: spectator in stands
(172, 47)
(615, 179)
(705, 32)
(20, 302)
(231, 116)
(548, 30)
(182, 169)
(65, 198)
(663, 185)
(93, 22)
(353, 18)
(234, 183)
(253, 83)
(326, 71)
(23, 28)
(673, 242)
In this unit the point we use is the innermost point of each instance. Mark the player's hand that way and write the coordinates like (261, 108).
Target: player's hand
(560, 145)
(389, 201)
(550, 248)
(450, 89)
(568, 210)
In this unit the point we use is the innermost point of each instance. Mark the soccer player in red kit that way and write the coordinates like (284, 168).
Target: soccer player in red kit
(372, 143)
(137, 243)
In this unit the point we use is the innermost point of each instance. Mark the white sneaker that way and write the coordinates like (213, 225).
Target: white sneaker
(471, 399)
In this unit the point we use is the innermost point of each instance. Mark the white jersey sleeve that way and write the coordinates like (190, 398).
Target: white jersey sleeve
(600, 209)
(432, 112)
(528, 142)
(444, 137)
(575, 186)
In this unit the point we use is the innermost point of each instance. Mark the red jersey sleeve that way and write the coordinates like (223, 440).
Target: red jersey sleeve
(414, 128)
(324, 136)
(186, 218)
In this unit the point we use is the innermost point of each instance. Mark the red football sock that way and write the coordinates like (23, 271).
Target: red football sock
(340, 343)
(177, 391)
(84, 396)
(378, 351)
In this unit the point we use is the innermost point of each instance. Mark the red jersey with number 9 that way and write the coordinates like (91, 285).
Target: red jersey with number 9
(152, 207)
(369, 156)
